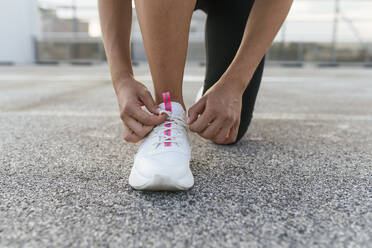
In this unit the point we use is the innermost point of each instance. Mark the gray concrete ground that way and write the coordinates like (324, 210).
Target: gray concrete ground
(301, 177)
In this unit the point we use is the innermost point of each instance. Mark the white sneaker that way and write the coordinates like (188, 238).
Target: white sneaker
(163, 159)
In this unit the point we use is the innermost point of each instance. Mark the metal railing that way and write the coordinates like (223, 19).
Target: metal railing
(80, 47)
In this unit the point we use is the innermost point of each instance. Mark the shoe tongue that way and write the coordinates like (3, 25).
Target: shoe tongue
(173, 107)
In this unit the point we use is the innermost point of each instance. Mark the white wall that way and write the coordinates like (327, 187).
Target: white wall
(19, 23)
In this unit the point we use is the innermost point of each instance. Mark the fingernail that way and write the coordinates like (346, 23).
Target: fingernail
(188, 120)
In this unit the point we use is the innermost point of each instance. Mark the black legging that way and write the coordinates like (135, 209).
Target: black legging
(226, 21)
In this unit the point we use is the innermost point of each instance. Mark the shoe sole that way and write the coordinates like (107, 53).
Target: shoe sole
(160, 182)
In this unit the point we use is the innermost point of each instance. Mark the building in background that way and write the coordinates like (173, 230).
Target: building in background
(19, 26)
(66, 39)
(67, 31)
(51, 23)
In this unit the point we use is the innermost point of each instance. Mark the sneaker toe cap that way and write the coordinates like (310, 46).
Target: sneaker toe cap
(172, 165)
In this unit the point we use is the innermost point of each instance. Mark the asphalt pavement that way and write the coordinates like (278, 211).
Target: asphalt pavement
(301, 177)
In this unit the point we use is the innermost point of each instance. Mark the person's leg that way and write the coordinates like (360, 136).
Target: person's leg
(226, 20)
(165, 30)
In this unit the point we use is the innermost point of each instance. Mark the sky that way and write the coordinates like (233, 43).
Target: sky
(308, 20)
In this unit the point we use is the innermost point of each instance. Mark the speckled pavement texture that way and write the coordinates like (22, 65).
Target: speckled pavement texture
(301, 177)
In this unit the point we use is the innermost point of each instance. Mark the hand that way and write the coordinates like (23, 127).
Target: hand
(132, 95)
(216, 116)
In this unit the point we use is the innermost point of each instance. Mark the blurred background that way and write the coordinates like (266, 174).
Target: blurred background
(323, 32)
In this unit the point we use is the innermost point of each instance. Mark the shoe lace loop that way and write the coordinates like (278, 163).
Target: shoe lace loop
(172, 125)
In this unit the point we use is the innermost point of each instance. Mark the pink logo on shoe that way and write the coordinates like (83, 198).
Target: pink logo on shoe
(168, 107)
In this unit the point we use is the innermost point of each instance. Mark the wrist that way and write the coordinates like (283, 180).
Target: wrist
(240, 73)
(122, 76)
(234, 82)
(122, 83)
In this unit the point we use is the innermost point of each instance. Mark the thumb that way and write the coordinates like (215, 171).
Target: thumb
(195, 110)
(149, 103)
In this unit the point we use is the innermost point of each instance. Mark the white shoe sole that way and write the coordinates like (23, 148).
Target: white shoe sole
(160, 182)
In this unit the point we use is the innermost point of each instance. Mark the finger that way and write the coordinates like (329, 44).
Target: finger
(212, 130)
(149, 103)
(195, 110)
(146, 118)
(223, 133)
(221, 136)
(140, 130)
(233, 133)
(129, 135)
(203, 121)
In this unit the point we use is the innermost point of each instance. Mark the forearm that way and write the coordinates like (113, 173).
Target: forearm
(263, 24)
(116, 21)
